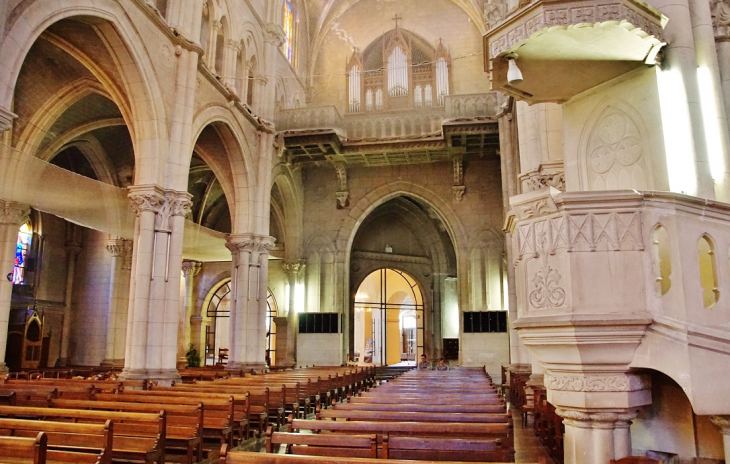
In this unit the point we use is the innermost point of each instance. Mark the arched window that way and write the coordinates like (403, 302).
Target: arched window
(442, 81)
(661, 260)
(397, 73)
(708, 271)
(22, 246)
(288, 26)
(271, 310)
(354, 89)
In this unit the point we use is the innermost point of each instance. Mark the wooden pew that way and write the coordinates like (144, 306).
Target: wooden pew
(247, 457)
(137, 436)
(26, 450)
(421, 407)
(217, 421)
(67, 442)
(345, 445)
(409, 416)
(184, 430)
(428, 399)
(445, 449)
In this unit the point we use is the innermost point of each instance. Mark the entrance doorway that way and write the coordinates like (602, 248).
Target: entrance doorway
(389, 319)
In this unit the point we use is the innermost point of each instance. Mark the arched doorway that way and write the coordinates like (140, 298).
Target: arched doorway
(389, 318)
(217, 324)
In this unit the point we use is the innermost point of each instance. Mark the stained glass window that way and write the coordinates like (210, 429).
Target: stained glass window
(21, 251)
(288, 30)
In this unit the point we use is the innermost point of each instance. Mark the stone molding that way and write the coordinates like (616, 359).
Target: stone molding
(597, 383)
(13, 213)
(6, 119)
(191, 268)
(543, 15)
(396, 258)
(600, 417)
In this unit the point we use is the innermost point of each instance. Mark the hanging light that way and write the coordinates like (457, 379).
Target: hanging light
(514, 75)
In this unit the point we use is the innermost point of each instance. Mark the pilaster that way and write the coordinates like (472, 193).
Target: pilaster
(250, 260)
(12, 216)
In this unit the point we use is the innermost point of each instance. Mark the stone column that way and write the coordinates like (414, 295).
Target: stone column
(190, 269)
(596, 437)
(294, 271)
(116, 321)
(680, 58)
(210, 53)
(229, 76)
(250, 253)
(73, 248)
(152, 325)
(12, 216)
(723, 422)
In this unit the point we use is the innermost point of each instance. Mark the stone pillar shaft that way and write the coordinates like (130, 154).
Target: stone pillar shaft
(190, 269)
(116, 323)
(155, 288)
(294, 271)
(250, 254)
(72, 252)
(596, 437)
(12, 216)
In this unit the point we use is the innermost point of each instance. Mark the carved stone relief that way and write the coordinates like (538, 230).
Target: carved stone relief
(615, 153)
(597, 383)
(720, 17)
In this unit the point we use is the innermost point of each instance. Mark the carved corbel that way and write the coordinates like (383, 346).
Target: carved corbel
(274, 34)
(343, 193)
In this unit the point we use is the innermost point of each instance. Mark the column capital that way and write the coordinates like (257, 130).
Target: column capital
(13, 213)
(6, 119)
(164, 203)
(722, 422)
(597, 417)
(121, 248)
(294, 266)
(251, 243)
(191, 268)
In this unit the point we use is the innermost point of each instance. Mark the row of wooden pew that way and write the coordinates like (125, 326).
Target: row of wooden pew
(422, 415)
(185, 422)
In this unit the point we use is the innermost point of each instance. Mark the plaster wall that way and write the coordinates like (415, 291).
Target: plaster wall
(319, 349)
(485, 349)
(52, 285)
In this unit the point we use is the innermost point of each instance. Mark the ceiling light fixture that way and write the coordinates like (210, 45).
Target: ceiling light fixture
(514, 75)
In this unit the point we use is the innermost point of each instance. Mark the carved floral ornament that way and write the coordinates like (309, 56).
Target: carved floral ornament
(597, 383)
(13, 213)
(164, 203)
(294, 267)
(611, 417)
(250, 243)
(191, 268)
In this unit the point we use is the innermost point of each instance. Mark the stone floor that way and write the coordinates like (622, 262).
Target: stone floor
(527, 446)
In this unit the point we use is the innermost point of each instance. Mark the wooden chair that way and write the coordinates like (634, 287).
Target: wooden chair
(222, 355)
(635, 460)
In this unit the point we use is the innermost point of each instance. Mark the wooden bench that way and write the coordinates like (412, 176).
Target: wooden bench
(67, 442)
(445, 449)
(345, 445)
(428, 399)
(401, 416)
(184, 430)
(26, 450)
(247, 457)
(137, 436)
(217, 421)
(421, 407)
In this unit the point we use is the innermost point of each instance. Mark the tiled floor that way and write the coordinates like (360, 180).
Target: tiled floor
(527, 446)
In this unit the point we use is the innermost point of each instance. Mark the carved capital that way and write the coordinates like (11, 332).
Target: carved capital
(217, 25)
(121, 249)
(293, 267)
(6, 119)
(13, 213)
(250, 243)
(597, 383)
(720, 18)
(608, 418)
(274, 34)
(191, 268)
(547, 175)
(145, 198)
(164, 203)
(722, 422)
